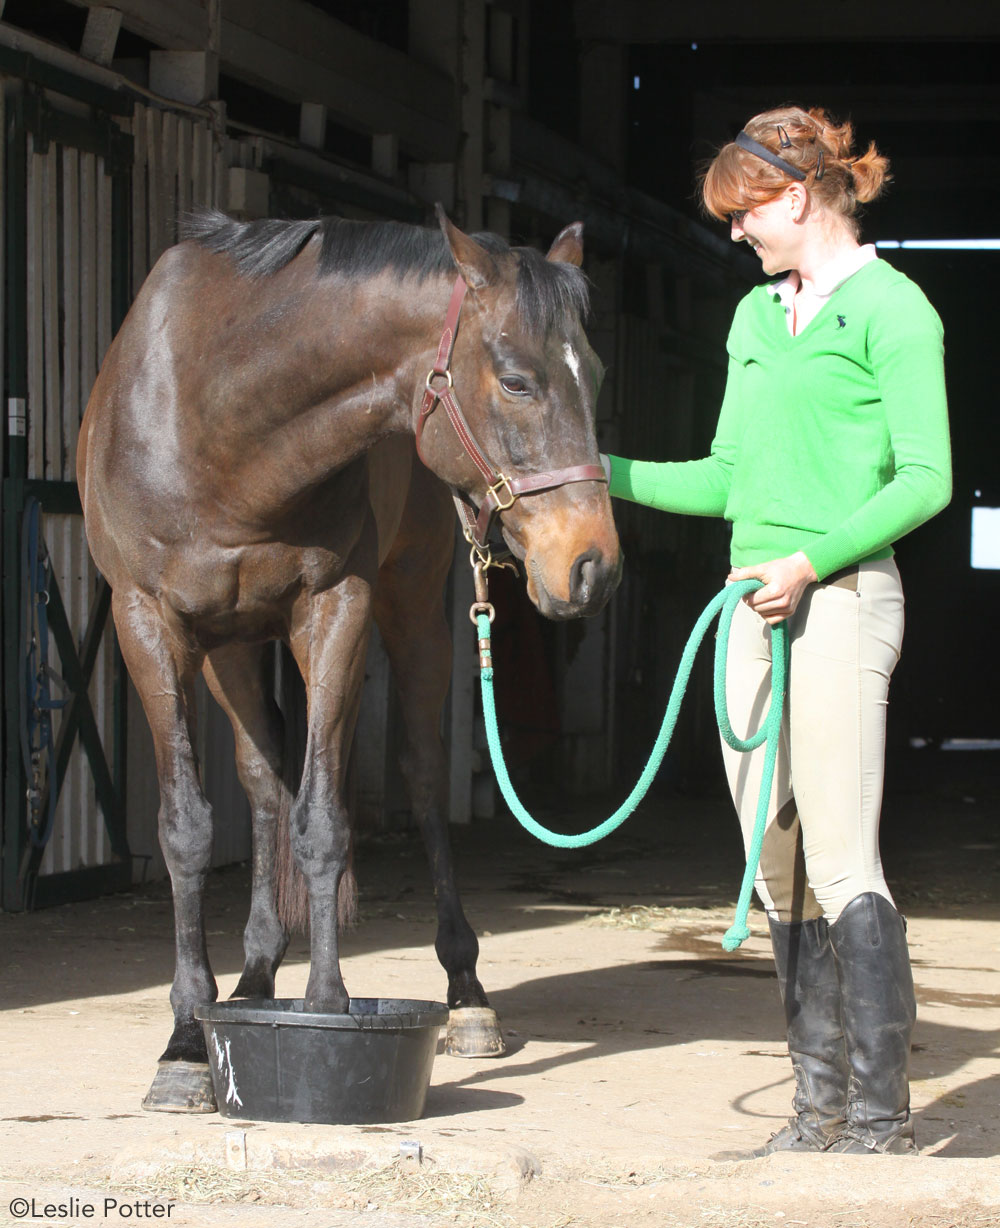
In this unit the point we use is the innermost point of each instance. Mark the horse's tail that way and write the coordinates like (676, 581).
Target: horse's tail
(347, 892)
(291, 893)
(292, 896)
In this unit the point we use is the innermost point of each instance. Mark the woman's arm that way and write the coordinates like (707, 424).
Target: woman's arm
(695, 487)
(907, 353)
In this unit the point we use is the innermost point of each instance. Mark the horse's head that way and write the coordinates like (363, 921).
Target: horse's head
(527, 381)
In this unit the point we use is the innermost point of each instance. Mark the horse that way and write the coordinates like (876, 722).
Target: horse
(265, 456)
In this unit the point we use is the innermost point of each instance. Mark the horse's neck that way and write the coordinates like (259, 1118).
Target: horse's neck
(347, 370)
(386, 337)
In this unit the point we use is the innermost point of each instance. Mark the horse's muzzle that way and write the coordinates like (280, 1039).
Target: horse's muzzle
(592, 579)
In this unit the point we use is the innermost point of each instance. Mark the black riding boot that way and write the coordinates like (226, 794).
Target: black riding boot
(879, 1009)
(810, 993)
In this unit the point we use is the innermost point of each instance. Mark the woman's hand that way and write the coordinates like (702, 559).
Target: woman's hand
(785, 580)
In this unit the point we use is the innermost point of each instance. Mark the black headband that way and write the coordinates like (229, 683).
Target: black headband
(762, 151)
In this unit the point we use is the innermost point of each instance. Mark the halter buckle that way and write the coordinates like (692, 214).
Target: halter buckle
(498, 485)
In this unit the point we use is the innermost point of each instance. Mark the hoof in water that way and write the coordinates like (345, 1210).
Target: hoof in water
(181, 1087)
(474, 1031)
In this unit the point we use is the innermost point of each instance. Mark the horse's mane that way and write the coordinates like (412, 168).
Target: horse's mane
(547, 290)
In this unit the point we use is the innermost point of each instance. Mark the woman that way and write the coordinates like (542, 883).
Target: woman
(832, 443)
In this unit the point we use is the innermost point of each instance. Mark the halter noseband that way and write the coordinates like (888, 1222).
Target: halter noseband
(501, 491)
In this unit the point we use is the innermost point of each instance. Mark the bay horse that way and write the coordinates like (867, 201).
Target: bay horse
(248, 474)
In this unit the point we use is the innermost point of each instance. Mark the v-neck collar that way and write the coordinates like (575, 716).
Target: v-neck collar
(830, 278)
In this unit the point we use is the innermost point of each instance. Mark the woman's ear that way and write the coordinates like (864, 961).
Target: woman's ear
(798, 200)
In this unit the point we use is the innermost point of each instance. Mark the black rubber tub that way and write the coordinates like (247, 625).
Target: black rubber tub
(271, 1060)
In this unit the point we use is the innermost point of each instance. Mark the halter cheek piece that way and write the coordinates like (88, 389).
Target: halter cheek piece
(501, 491)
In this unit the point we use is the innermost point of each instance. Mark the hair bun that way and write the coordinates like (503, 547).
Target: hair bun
(870, 172)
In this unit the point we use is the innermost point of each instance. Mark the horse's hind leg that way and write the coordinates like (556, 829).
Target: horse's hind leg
(409, 610)
(239, 678)
(163, 669)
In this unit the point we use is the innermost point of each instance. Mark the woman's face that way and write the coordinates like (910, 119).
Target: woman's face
(771, 231)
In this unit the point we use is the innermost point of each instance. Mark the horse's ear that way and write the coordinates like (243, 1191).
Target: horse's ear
(568, 245)
(474, 262)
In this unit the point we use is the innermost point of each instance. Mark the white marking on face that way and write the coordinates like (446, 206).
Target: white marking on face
(572, 361)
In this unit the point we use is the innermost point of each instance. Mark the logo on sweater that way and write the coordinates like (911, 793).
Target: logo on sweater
(841, 321)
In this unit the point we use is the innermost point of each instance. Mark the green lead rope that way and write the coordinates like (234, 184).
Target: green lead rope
(769, 732)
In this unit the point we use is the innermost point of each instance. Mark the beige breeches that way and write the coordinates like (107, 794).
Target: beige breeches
(821, 843)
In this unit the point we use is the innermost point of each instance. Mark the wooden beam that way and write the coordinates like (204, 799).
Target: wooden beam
(770, 21)
(172, 24)
(100, 35)
(297, 52)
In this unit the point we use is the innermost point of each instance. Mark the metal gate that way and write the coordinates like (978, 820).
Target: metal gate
(66, 221)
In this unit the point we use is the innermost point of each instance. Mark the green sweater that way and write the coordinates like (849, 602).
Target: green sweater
(834, 442)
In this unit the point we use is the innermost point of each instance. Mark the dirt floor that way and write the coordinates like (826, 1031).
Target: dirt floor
(638, 1049)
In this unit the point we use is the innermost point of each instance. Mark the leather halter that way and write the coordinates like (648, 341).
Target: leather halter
(501, 491)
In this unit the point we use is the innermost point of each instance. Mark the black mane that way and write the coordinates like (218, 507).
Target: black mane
(547, 291)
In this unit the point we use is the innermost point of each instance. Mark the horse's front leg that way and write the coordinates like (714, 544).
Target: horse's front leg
(409, 610)
(329, 641)
(240, 678)
(163, 669)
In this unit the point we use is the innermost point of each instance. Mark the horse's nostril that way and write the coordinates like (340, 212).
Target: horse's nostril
(583, 576)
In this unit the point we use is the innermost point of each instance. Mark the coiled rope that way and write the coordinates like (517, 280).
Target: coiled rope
(724, 604)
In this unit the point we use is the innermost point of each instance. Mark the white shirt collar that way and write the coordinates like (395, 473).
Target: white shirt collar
(831, 276)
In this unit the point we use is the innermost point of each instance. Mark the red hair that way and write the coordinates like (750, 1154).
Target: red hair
(738, 179)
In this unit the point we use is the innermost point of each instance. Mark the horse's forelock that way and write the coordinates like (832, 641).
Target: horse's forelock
(549, 293)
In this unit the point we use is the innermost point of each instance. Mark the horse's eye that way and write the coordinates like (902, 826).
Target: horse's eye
(516, 385)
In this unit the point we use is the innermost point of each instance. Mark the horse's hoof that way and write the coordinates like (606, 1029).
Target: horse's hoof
(474, 1031)
(181, 1087)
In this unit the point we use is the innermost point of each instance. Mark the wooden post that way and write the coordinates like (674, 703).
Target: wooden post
(434, 38)
(602, 101)
(472, 80)
(312, 124)
(385, 154)
(50, 407)
(184, 76)
(502, 91)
